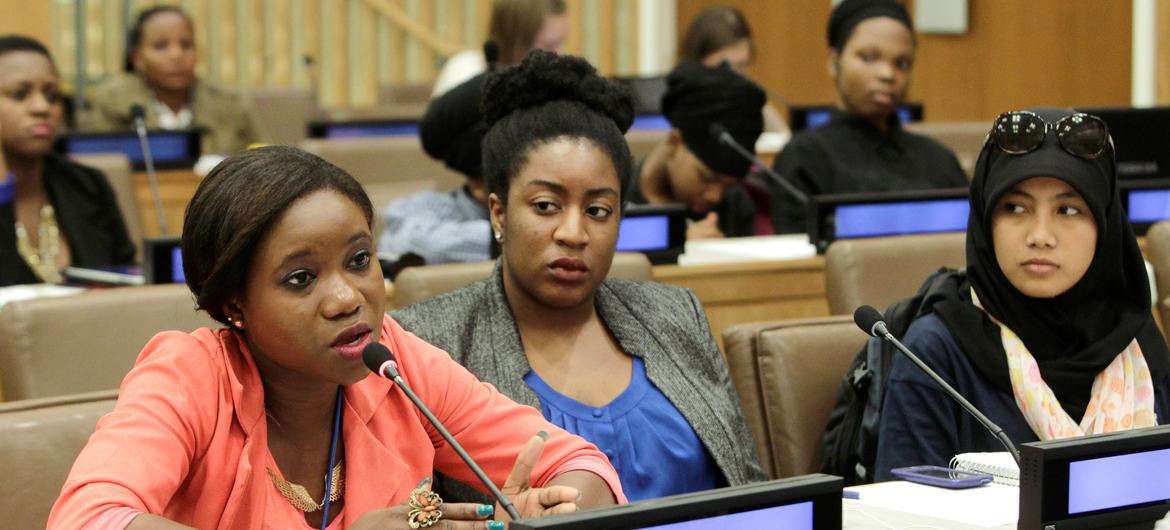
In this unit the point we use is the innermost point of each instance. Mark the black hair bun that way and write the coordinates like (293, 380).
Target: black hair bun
(544, 77)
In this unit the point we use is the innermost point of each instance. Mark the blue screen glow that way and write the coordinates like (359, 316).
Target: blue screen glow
(371, 129)
(165, 147)
(1117, 481)
(644, 233)
(791, 517)
(893, 218)
(177, 265)
(650, 122)
(814, 118)
(1148, 206)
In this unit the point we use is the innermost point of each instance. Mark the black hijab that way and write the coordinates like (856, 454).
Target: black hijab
(452, 128)
(698, 96)
(1076, 334)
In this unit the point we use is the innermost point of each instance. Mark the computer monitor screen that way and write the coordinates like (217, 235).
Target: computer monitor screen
(650, 122)
(1108, 482)
(659, 231)
(807, 502)
(1141, 137)
(797, 516)
(644, 233)
(169, 149)
(811, 117)
(646, 92)
(1148, 206)
(898, 218)
(177, 275)
(363, 129)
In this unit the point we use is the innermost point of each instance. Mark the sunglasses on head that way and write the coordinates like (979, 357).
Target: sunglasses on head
(1020, 132)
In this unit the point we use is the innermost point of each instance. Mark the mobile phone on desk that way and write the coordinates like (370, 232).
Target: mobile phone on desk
(943, 477)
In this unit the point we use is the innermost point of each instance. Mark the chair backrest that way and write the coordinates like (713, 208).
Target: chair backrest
(964, 138)
(116, 167)
(283, 113)
(787, 374)
(408, 92)
(415, 284)
(1158, 254)
(882, 270)
(389, 167)
(643, 141)
(65, 345)
(39, 440)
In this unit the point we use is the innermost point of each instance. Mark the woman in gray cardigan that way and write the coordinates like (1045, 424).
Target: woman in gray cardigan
(630, 366)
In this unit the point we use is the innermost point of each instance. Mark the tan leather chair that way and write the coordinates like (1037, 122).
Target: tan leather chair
(283, 113)
(402, 93)
(643, 141)
(117, 169)
(415, 284)
(965, 139)
(787, 374)
(1158, 254)
(39, 440)
(65, 345)
(882, 270)
(389, 167)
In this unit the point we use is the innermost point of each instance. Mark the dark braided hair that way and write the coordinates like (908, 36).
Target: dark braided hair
(547, 97)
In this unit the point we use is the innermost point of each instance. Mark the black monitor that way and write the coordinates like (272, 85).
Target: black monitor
(1112, 480)
(854, 215)
(809, 502)
(646, 91)
(813, 116)
(162, 260)
(178, 149)
(363, 128)
(659, 231)
(1146, 202)
(1142, 140)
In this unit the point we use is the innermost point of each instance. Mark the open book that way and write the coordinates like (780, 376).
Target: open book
(1001, 466)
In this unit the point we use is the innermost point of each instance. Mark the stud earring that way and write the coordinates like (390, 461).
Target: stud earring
(499, 237)
(236, 323)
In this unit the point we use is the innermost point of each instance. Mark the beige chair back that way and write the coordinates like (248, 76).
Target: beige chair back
(117, 169)
(643, 141)
(1158, 254)
(283, 113)
(965, 139)
(405, 93)
(882, 270)
(415, 284)
(39, 440)
(70, 344)
(787, 374)
(389, 167)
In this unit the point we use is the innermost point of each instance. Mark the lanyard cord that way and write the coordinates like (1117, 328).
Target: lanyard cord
(332, 456)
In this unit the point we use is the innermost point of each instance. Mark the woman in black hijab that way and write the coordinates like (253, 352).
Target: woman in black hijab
(1049, 330)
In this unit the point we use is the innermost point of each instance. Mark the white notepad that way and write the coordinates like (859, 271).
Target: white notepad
(1001, 466)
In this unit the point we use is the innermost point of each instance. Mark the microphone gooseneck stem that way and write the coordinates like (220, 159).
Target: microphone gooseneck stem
(500, 497)
(149, 160)
(727, 140)
(990, 425)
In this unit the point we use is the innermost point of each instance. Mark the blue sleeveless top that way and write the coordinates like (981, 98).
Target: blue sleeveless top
(652, 446)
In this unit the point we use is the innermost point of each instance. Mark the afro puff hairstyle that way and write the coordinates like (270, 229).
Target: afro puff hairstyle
(547, 97)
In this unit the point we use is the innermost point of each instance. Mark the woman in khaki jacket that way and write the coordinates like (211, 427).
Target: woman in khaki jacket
(160, 76)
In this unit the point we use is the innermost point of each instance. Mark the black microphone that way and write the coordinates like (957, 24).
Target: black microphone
(138, 118)
(721, 135)
(871, 322)
(380, 361)
(491, 54)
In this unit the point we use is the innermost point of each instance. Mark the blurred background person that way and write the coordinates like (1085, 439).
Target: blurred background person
(863, 148)
(160, 76)
(515, 27)
(53, 212)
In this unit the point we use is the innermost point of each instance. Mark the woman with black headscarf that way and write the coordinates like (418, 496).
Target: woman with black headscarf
(863, 148)
(1049, 331)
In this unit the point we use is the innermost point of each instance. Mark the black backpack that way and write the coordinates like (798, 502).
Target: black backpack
(851, 435)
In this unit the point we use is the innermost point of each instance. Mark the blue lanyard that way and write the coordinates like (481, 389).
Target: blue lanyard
(8, 189)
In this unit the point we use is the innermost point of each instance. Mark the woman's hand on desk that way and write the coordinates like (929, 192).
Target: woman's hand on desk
(535, 502)
(455, 516)
(708, 228)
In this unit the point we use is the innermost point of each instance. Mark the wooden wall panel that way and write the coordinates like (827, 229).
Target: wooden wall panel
(1014, 54)
(1163, 28)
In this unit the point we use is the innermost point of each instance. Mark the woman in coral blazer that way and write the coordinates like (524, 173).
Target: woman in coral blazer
(244, 427)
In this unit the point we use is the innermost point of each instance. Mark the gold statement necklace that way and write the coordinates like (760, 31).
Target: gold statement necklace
(43, 259)
(299, 497)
